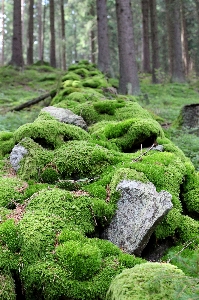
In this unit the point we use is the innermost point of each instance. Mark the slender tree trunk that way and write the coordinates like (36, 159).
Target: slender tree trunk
(30, 33)
(154, 42)
(17, 56)
(92, 36)
(43, 32)
(103, 42)
(174, 30)
(40, 29)
(197, 42)
(63, 36)
(186, 55)
(52, 35)
(145, 26)
(2, 35)
(129, 83)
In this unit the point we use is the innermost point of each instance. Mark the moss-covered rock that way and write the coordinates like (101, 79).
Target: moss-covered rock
(7, 287)
(152, 281)
(6, 142)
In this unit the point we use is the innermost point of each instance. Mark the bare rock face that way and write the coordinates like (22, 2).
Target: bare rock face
(66, 116)
(16, 156)
(140, 209)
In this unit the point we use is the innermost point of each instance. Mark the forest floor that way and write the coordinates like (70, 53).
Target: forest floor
(165, 100)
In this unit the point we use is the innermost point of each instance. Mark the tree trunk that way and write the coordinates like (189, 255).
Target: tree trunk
(103, 42)
(145, 26)
(154, 42)
(93, 35)
(174, 30)
(186, 55)
(52, 35)
(197, 42)
(2, 35)
(17, 56)
(30, 33)
(44, 30)
(63, 36)
(129, 83)
(40, 31)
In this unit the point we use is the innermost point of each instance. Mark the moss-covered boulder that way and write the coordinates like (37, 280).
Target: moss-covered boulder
(152, 281)
(7, 287)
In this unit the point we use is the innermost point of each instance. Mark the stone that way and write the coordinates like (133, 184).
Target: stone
(16, 156)
(139, 210)
(66, 116)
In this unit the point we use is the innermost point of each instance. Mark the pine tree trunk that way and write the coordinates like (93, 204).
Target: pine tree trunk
(17, 55)
(197, 42)
(2, 35)
(30, 33)
(40, 29)
(174, 30)
(185, 39)
(52, 35)
(103, 42)
(145, 25)
(43, 31)
(154, 42)
(129, 83)
(63, 36)
(92, 35)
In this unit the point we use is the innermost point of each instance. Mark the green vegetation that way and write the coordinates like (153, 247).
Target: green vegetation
(54, 208)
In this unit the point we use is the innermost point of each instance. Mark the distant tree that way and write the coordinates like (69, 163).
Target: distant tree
(2, 33)
(93, 34)
(103, 42)
(17, 54)
(175, 44)
(154, 41)
(145, 26)
(30, 33)
(186, 55)
(197, 40)
(40, 29)
(52, 35)
(129, 82)
(63, 35)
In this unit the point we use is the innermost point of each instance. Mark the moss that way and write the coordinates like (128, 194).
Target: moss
(191, 200)
(114, 82)
(11, 191)
(77, 159)
(63, 94)
(71, 76)
(189, 230)
(50, 134)
(7, 287)
(150, 281)
(82, 259)
(84, 96)
(95, 82)
(9, 235)
(108, 106)
(6, 142)
(130, 134)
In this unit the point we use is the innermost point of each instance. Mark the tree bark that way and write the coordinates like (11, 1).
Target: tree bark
(93, 35)
(2, 35)
(197, 42)
(30, 102)
(103, 41)
(145, 26)
(129, 83)
(17, 55)
(154, 42)
(63, 37)
(174, 30)
(40, 29)
(52, 35)
(186, 55)
(30, 33)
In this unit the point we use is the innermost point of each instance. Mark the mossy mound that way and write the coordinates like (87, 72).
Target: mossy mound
(152, 281)
(7, 287)
(6, 142)
(50, 134)
(128, 135)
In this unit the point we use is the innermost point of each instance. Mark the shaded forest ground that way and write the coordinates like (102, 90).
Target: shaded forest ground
(164, 100)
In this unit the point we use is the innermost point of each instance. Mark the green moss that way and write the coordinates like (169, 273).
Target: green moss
(7, 287)
(9, 235)
(191, 200)
(84, 96)
(49, 175)
(189, 230)
(63, 94)
(151, 281)
(108, 106)
(11, 191)
(77, 159)
(82, 259)
(6, 142)
(71, 76)
(50, 134)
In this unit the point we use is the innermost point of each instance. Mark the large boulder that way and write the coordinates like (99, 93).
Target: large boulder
(65, 116)
(139, 210)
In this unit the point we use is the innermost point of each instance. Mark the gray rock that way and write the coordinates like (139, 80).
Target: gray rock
(66, 116)
(140, 209)
(158, 148)
(16, 156)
